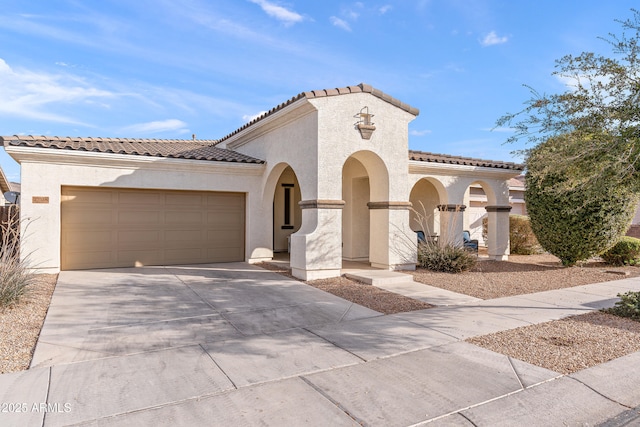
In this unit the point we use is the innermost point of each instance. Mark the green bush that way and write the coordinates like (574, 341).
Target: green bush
(445, 258)
(628, 306)
(625, 252)
(573, 221)
(522, 241)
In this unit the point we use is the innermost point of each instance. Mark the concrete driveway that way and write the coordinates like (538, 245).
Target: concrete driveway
(233, 344)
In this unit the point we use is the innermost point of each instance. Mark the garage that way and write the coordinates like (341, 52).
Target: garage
(114, 227)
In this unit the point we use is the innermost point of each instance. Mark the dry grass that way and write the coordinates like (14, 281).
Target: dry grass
(20, 324)
(522, 274)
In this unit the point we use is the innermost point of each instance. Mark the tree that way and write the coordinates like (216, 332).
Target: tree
(601, 109)
(573, 223)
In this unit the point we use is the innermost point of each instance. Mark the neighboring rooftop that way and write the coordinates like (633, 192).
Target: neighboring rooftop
(323, 93)
(423, 156)
(170, 148)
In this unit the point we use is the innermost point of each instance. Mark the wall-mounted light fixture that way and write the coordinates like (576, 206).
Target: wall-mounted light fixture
(364, 124)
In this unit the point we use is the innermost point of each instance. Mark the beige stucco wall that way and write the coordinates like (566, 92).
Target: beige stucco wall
(316, 137)
(45, 171)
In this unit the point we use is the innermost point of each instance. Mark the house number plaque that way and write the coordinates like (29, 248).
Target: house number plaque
(40, 199)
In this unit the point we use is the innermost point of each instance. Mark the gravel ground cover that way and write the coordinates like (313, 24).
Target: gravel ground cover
(20, 325)
(522, 274)
(567, 345)
(366, 295)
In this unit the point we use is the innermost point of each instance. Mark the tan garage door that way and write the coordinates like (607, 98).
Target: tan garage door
(109, 227)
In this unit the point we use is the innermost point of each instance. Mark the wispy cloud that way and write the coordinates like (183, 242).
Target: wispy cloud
(499, 129)
(419, 132)
(384, 9)
(33, 95)
(340, 23)
(281, 13)
(169, 125)
(492, 39)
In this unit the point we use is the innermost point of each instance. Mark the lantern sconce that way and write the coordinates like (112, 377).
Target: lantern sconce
(364, 124)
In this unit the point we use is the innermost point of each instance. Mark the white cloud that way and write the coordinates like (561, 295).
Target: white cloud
(281, 13)
(340, 23)
(419, 132)
(384, 9)
(249, 117)
(35, 95)
(493, 39)
(169, 125)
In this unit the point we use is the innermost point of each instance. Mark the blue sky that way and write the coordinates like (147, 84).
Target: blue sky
(169, 69)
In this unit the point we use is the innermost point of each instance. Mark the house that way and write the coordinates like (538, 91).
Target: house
(327, 175)
(5, 186)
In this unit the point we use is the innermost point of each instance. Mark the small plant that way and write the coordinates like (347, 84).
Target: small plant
(628, 306)
(15, 275)
(445, 258)
(625, 252)
(445, 253)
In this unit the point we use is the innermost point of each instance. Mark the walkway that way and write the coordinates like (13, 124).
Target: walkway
(232, 344)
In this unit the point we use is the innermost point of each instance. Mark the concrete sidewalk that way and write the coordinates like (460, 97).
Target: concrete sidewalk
(234, 344)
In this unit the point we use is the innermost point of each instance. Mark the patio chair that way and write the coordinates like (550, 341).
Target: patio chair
(469, 244)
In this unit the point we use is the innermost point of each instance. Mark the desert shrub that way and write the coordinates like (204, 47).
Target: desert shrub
(15, 275)
(626, 251)
(522, 241)
(445, 258)
(572, 221)
(628, 306)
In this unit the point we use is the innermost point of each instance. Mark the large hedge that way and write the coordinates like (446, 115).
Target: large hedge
(574, 222)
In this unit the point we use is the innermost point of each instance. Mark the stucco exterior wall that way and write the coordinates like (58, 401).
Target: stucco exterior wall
(44, 178)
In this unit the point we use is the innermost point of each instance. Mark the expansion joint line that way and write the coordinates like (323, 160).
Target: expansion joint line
(603, 395)
(335, 402)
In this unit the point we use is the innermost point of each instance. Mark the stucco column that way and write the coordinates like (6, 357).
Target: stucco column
(316, 249)
(392, 242)
(451, 224)
(498, 232)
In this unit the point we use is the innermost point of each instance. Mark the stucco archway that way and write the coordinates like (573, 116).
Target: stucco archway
(282, 214)
(478, 196)
(425, 197)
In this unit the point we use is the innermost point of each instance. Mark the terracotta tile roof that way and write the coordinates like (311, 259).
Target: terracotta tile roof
(423, 156)
(171, 148)
(361, 88)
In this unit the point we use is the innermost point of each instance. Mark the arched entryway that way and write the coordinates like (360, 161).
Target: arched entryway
(355, 215)
(426, 196)
(287, 215)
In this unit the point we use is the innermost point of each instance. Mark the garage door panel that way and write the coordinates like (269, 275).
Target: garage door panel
(183, 217)
(89, 196)
(108, 227)
(87, 239)
(100, 259)
(139, 238)
(89, 217)
(227, 255)
(186, 199)
(223, 219)
(140, 217)
(230, 201)
(184, 236)
(139, 197)
(138, 257)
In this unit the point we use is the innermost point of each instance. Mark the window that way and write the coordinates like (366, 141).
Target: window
(288, 207)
